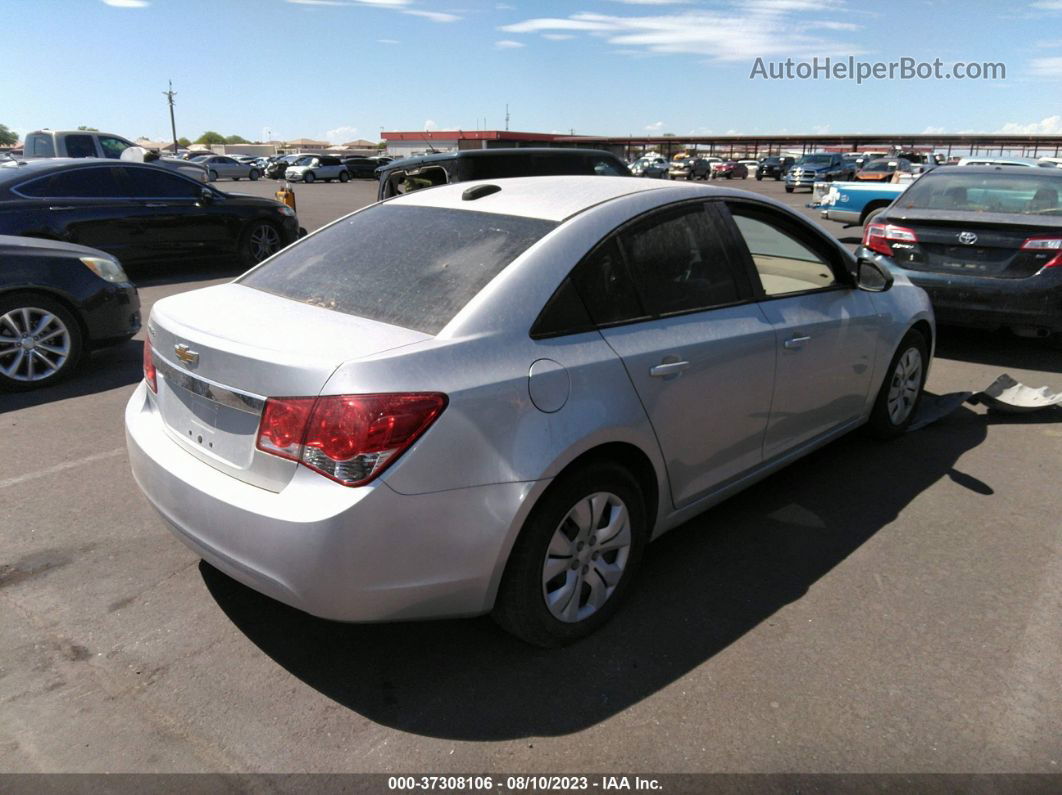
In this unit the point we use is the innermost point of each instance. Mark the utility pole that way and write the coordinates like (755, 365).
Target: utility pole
(173, 125)
(506, 115)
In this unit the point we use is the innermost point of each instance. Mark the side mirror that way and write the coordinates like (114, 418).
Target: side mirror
(206, 196)
(872, 277)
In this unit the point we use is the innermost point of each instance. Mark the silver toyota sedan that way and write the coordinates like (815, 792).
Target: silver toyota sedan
(488, 397)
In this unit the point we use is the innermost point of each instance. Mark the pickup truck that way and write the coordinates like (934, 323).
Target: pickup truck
(853, 203)
(817, 167)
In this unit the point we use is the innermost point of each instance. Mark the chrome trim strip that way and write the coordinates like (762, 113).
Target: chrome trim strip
(225, 396)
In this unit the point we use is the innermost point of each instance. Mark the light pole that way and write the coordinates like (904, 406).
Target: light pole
(173, 125)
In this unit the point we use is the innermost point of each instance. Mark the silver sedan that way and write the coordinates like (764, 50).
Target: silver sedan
(488, 397)
(220, 166)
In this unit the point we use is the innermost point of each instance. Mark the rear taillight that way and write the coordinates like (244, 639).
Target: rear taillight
(877, 237)
(150, 375)
(1045, 245)
(348, 438)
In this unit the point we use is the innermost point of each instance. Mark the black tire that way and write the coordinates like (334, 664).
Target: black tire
(212, 175)
(75, 345)
(759, 178)
(308, 177)
(343, 176)
(881, 423)
(788, 188)
(521, 607)
(872, 215)
(253, 176)
(778, 178)
(252, 248)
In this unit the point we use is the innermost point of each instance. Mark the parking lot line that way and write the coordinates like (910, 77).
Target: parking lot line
(41, 473)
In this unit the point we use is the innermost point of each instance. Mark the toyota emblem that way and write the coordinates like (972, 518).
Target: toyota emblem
(967, 238)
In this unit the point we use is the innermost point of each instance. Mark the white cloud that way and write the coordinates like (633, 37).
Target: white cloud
(1048, 5)
(401, 6)
(558, 36)
(652, 2)
(1046, 67)
(504, 7)
(430, 124)
(341, 134)
(388, 41)
(507, 44)
(931, 130)
(1052, 125)
(740, 30)
(127, 3)
(656, 126)
(434, 16)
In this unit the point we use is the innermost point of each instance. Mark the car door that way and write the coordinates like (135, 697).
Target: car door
(172, 219)
(695, 344)
(826, 329)
(88, 206)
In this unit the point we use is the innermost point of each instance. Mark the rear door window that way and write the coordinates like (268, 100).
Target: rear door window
(152, 183)
(679, 263)
(80, 146)
(414, 267)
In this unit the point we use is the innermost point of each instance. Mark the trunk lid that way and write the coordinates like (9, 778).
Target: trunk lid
(987, 246)
(223, 350)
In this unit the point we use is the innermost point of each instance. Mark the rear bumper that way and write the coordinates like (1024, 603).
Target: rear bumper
(365, 554)
(981, 302)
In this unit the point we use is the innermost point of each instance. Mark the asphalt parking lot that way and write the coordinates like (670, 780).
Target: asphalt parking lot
(874, 608)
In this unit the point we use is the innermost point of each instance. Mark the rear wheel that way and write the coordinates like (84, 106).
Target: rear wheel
(253, 176)
(40, 341)
(260, 240)
(308, 177)
(898, 398)
(343, 176)
(213, 175)
(575, 557)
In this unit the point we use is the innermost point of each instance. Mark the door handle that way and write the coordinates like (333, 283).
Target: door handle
(796, 342)
(668, 368)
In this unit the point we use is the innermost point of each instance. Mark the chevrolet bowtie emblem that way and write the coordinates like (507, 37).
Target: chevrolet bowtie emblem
(186, 354)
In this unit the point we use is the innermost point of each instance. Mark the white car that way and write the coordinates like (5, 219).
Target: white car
(317, 167)
(487, 397)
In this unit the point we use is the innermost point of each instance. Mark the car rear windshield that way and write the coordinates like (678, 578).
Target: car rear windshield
(986, 193)
(414, 267)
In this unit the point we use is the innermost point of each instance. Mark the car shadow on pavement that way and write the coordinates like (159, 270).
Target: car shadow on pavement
(702, 587)
(100, 371)
(998, 348)
(179, 273)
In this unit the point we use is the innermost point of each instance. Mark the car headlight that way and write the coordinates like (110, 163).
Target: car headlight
(107, 269)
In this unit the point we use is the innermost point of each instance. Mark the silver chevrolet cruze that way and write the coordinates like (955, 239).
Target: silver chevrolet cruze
(487, 397)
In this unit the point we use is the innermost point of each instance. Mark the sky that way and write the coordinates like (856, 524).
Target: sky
(344, 69)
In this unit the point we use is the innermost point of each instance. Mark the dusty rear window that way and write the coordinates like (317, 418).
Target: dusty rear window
(414, 267)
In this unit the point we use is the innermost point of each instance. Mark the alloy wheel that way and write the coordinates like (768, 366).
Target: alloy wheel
(264, 241)
(586, 557)
(34, 344)
(904, 385)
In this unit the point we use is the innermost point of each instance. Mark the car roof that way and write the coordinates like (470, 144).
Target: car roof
(10, 175)
(1018, 171)
(554, 198)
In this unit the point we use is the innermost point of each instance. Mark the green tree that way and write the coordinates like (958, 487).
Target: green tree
(7, 137)
(183, 142)
(210, 137)
(236, 139)
(88, 129)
